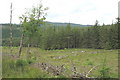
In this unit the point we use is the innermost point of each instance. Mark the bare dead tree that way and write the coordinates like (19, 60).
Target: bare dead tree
(11, 28)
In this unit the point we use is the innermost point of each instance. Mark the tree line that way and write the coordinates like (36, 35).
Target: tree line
(54, 37)
(98, 37)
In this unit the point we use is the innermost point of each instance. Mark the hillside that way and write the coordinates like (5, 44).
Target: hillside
(6, 30)
(57, 24)
(16, 28)
(65, 24)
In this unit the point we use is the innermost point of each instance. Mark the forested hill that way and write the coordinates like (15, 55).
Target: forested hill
(53, 37)
(58, 24)
(6, 30)
(16, 28)
(65, 24)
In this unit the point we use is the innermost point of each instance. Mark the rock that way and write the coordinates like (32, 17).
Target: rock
(72, 52)
(83, 51)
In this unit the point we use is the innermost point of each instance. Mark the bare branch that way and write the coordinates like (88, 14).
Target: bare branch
(91, 70)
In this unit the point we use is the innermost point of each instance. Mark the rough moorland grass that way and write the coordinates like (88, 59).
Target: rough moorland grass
(20, 69)
(83, 59)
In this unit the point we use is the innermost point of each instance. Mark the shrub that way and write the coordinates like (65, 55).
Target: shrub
(104, 71)
(30, 61)
(21, 63)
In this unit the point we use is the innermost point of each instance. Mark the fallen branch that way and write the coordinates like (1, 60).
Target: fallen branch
(91, 70)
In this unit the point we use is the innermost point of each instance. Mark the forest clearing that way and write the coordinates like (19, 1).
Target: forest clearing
(37, 48)
(81, 59)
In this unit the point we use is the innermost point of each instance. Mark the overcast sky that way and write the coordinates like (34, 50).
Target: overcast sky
(74, 11)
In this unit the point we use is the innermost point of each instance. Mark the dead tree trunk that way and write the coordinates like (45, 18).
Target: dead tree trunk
(11, 28)
(21, 44)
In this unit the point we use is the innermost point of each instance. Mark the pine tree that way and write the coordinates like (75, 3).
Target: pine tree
(95, 36)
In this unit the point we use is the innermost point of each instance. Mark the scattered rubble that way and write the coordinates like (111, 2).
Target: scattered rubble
(55, 70)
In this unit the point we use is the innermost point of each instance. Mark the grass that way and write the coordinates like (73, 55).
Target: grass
(83, 59)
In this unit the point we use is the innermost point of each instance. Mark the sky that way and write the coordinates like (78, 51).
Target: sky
(73, 11)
